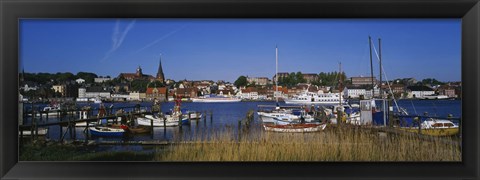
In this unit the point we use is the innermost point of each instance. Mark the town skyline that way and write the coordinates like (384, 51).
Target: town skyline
(227, 49)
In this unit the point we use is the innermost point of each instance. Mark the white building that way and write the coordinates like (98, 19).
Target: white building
(80, 81)
(419, 91)
(82, 92)
(134, 96)
(94, 92)
(354, 92)
(59, 88)
(101, 79)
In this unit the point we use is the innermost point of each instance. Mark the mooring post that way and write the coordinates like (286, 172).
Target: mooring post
(61, 132)
(69, 128)
(36, 130)
(151, 127)
(239, 130)
(204, 115)
(21, 137)
(211, 117)
(164, 127)
(87, 129)
(47, 115)
(74, 130)
(32, 126)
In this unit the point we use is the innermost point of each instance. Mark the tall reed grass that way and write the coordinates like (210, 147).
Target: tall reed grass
(333, 144)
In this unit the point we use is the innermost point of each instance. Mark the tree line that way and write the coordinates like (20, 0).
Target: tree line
(292, 79)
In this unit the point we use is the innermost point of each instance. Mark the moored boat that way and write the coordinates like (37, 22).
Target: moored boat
(106, 131)
(157, 122)
(295, 128)
(315, 98)
(139, 129)
(434, 127)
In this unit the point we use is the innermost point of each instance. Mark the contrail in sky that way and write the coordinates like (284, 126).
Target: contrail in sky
(117, 38)
(161, 38)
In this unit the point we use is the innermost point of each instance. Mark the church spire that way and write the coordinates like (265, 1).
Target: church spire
(160, 75)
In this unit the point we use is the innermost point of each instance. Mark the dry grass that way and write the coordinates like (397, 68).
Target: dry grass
(333, 144)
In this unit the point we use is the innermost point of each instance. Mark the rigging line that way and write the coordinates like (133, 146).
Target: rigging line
(415, 110)
(386, 78)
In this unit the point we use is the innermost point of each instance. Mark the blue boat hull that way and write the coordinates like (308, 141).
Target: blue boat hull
(185, 122)
(108, 134)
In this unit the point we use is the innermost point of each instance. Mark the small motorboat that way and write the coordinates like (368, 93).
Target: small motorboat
(434, 127)
(106, 131)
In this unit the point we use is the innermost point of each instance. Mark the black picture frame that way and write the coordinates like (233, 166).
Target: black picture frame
(11, 11)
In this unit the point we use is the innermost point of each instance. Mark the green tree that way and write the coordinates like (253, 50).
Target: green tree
(63, 77)
(88, 77)
(241, 81)
(431, 81)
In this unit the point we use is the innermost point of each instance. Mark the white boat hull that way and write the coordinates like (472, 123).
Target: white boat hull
(310, 102)
(295, 128)
(156, 122)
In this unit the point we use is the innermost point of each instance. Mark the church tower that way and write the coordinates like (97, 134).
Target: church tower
(139, 72)
(160, 76)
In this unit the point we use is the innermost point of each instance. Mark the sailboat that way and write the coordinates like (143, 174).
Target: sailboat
(283, 119)
(270, 116)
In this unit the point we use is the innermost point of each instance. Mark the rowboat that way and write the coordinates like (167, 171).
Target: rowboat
(295, 128)
(139, 130)
(106, 131)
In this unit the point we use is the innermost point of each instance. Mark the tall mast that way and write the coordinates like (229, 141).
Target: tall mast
(340, 84)
(276, 72)
(371, 64)
(380, 58)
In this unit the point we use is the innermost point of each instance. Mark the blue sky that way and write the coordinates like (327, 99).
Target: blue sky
(223, 49)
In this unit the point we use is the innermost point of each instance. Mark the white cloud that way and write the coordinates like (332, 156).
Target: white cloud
(117, 38)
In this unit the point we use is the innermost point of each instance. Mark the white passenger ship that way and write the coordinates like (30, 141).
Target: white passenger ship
(315, 98)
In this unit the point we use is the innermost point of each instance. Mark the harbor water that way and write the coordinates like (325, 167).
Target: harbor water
(219, 116)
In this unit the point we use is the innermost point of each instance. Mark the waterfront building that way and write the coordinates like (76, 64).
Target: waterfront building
(97, 91)
(159, 93)
(120, 96)
(447, 91)
(134, 96)
(354, 92)
(281, 93)
(420, 91)
(248, 92)
(160, 76)
(186, 92)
